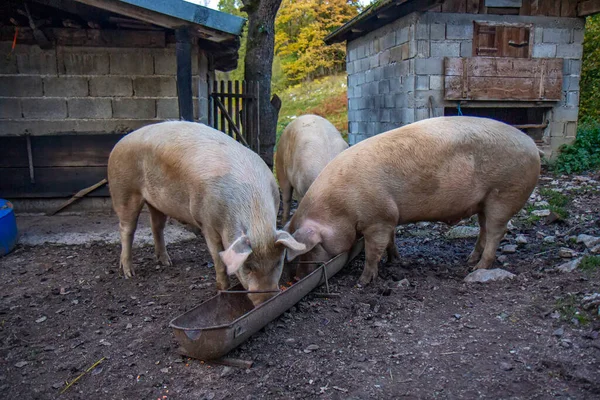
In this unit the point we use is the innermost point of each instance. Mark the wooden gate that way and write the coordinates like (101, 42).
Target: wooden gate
(233, 109)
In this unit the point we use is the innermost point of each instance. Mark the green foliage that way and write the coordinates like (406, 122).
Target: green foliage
(589, 263)
(325, 97)
(301, 27)
(589, 104)
(570, 311)
(584, 153)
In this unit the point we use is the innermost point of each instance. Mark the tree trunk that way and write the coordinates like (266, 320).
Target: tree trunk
(260, 47)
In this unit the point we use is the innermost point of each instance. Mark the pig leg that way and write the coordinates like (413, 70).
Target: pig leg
(495, 227)
(480, 244)
(377, 239)
(159, 220)
(215, 245)
(286, 196)
(128, 214)
(392, 251)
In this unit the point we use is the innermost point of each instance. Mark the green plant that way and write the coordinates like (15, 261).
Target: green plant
(589, 263)
(568, 308)
(584, 153)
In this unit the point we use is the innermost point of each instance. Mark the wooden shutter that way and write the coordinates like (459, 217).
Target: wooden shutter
(491, 40)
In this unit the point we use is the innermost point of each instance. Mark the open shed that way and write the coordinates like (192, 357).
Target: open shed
(517, 61)
(76, 75)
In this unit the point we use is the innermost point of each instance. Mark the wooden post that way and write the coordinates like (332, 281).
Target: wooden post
(184, 74)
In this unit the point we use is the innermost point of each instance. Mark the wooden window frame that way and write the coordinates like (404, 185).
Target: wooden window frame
(477, 24)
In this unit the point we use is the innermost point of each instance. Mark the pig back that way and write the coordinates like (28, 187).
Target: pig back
(435, 169)
(194, 173)
(306, 146)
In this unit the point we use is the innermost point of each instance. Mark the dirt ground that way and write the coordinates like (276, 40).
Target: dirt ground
(418, 332)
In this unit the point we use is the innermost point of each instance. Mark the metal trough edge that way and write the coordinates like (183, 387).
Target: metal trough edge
(211, 342)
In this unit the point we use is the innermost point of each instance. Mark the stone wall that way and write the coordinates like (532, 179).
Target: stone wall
(92, 89)
(396, 72)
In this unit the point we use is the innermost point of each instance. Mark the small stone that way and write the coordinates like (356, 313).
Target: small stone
(509, 248)
(41, 319)
(226, 371)
(502, 258)
(566, 343)
(457, 316)
(97, 370)
(462, 232)
(589, 241)
(404, 283)
(565, 252)
(550, 239)
(165, 370)
(147, 319)
(541, 213)
(521, 239)
(21, 364)
(595, 249)
(559, 332)
(129, 326)
(57, 385)
(311, 348)
(569, 266)
(290, 340)
(488, 275)
(504, 366)
(541, 204)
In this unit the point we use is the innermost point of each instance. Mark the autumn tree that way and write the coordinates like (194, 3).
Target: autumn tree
(301, 27)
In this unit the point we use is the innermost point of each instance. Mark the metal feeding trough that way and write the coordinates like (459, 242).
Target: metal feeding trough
(225, 321)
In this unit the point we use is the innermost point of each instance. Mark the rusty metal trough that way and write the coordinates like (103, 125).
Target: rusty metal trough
(225, 321)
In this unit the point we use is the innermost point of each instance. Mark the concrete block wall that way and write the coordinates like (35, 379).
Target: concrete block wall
(396, 73)
(92, 89)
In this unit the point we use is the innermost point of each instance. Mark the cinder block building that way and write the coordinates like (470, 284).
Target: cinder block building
(518, 61)
(76, 75)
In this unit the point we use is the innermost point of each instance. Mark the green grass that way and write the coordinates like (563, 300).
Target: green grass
(568, 308)
(589, 263)
(326, 97)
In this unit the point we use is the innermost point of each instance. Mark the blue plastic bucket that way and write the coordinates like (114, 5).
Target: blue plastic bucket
(8, 227)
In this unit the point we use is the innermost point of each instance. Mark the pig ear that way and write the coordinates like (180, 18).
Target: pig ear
(235, 256)
(288, 241)
(306, 236)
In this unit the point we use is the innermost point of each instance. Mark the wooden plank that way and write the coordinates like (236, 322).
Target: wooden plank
(108, 38)
(230, 110)
(505, 88)
(237, 105)
(222, 111)
(509, 79)
(82, 193)
(499, 67)
(525, 8)
(13, 152)
(473, 6)
(50, 182)
(588, 7)
(454, 6)
(504, 3)
(58, 151)
(568, 8)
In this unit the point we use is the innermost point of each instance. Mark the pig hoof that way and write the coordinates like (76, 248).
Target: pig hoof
(165, 260)
(366, 278)
(473, 260)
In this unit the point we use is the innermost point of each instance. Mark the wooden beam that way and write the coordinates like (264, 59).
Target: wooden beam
(184, 74)
(588, 7)
(77, 196)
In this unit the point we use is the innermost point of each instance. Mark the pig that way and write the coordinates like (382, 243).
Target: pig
(203, 178)
(306, 146)
(439, 169)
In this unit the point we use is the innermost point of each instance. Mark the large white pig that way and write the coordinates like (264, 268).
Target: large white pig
(439, 169)
(204, 178)
(306, 146)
